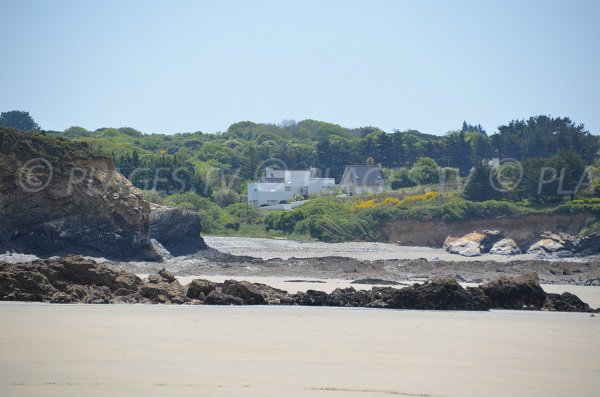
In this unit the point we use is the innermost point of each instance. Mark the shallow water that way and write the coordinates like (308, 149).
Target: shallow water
(96, 350)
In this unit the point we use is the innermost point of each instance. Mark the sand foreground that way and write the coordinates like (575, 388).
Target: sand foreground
(98, 350)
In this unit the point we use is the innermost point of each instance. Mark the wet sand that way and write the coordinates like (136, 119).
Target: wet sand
(284, 249)
(97, 350)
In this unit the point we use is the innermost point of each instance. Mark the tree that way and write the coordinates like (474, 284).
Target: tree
(459, 152)
(466, 127)
(425, 170)
(543, 136)
(549, 180)
(18, 119)
(479, 187)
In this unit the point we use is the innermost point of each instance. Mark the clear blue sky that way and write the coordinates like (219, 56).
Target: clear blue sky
(176, 66)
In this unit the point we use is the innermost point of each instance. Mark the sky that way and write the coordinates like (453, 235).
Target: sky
(184, 66)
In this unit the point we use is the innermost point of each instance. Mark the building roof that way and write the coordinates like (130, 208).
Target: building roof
(362, 175)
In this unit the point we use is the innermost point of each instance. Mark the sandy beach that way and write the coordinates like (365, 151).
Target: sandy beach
(97, 350)
(284, 249)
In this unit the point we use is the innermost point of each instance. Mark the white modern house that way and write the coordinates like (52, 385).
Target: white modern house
(279, 186)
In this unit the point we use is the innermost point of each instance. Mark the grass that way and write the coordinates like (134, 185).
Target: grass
(259, 231)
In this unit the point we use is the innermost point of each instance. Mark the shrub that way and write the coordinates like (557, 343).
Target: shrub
(225, 197)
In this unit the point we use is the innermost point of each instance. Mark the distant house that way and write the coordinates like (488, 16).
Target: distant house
(283, 185)
(363, 179)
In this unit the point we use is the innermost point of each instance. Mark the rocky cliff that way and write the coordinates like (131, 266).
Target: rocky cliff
(60, 197)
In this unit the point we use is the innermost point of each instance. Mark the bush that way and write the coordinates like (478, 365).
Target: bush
(244, 213)
(225, 197)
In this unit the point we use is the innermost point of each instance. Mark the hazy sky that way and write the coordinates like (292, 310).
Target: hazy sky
(176, 66)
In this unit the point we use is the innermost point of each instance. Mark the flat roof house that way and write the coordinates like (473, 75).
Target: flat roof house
(283, 185)
(363, 179)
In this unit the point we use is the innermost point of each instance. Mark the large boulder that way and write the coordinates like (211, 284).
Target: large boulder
(441, 294)
(553, 243)
(199, 289)
(521, 292)
(472, 244)
(176, 229)
(505, 246)
(255, 293)
(163, 288)
(62, 197)
(565, 302)
(219, 298)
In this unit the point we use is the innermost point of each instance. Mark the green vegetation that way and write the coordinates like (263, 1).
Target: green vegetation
(208, 173)
(19, 120)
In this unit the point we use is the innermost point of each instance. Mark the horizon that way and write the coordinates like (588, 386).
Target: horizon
(201, 66)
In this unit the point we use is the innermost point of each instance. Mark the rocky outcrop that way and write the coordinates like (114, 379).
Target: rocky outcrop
(58, 196)
(559, 244)
(472, 244)
(506, 246)
(565, 302)
(588, 245)
(441, 294)
(178, 230)
(65, 280)
(75, 279)
(163, 288)
(515, 292)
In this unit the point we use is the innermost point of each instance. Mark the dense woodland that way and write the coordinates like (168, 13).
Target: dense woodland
(208, 172)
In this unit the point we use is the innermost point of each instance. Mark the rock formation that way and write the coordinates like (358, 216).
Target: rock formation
(560, 244)
(548, 244)
(176, 229)
(60, 197)
(506, 246)
(75, 279)
(472, 244)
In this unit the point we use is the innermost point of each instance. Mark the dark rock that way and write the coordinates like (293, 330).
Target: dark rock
(566, 302)
(349, 297)
(255, 293)
(166, 276)
(312, 298)
(441, 294)
(163, 288)
(73, 201)
(515, 292)
(25, 286)
(588, 245)
(76, 279)
(176, 229)
(375, 281)
(219, 298)
(200, 289)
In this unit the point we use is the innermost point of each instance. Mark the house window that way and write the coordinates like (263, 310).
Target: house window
(288, 188)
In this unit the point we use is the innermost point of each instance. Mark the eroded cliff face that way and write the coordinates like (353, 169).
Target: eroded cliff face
(59, 197)
(524, 230)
